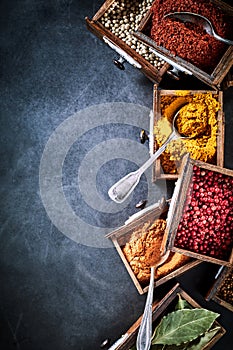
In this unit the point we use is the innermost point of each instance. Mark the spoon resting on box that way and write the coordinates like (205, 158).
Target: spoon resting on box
(122, 188)
(145, 329)
(200, 21)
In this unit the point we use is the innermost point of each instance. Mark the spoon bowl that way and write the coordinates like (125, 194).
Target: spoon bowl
(198, 20)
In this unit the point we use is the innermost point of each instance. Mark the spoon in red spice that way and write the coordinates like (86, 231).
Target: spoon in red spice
(200, 21)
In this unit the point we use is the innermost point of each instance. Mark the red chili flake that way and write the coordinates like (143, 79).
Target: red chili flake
(188, 40)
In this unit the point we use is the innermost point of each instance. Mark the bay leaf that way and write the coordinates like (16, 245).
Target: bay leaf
(182, 304)
(197, 344)
(170, 347)
(183, 326)
(204, 339)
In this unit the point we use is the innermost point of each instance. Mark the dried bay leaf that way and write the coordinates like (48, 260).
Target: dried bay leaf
(170, 347)
(182, 304)
(197, 344)
(183, 326)
(204, 339)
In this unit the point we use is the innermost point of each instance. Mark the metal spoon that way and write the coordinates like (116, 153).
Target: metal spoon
(122, 189)
(145, 330)
(199, 20)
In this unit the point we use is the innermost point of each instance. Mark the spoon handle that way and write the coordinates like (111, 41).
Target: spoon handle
(145, 330)
(122, 189)
(226, 41)
(156, 155)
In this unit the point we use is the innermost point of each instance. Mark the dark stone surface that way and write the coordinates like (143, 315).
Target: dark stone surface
(56, 293)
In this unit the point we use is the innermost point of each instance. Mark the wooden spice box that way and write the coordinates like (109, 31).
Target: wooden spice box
(178, 204)
(125, 52)
(157, 170)
(228, 80)
(123, 234)
(213, 79)
(161, 308)
(213, 293)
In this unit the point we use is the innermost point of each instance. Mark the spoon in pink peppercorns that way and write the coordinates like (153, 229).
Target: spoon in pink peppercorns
(200, 21)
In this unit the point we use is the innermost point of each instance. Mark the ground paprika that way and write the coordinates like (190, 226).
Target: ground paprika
(187, 40)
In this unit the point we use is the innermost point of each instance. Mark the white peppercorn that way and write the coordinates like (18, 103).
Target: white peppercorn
(123, 17)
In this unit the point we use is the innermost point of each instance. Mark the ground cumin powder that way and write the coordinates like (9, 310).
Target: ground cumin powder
(143, 250)
(203, 106)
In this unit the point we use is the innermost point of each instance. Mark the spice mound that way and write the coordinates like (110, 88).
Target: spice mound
(226, 290)
(187, 40)
(199, 115)
(206, 226)
(143, 250)
(192, 120)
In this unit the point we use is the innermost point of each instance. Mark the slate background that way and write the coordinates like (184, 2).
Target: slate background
(56, 293)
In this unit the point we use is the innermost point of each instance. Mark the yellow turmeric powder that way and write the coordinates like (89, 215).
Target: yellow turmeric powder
(172, 107)
(192, 119)
(203, 146)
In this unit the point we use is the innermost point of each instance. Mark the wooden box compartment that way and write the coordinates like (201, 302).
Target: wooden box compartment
(177, 98)
(216, 293)
(161, 308)
(228, 80)
(122, 237)
(124, 44)
(214, 78)
(200, 221)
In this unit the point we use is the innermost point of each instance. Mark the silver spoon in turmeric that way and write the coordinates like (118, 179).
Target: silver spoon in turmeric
(122, 189)
(200, 21)
(145, 330)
